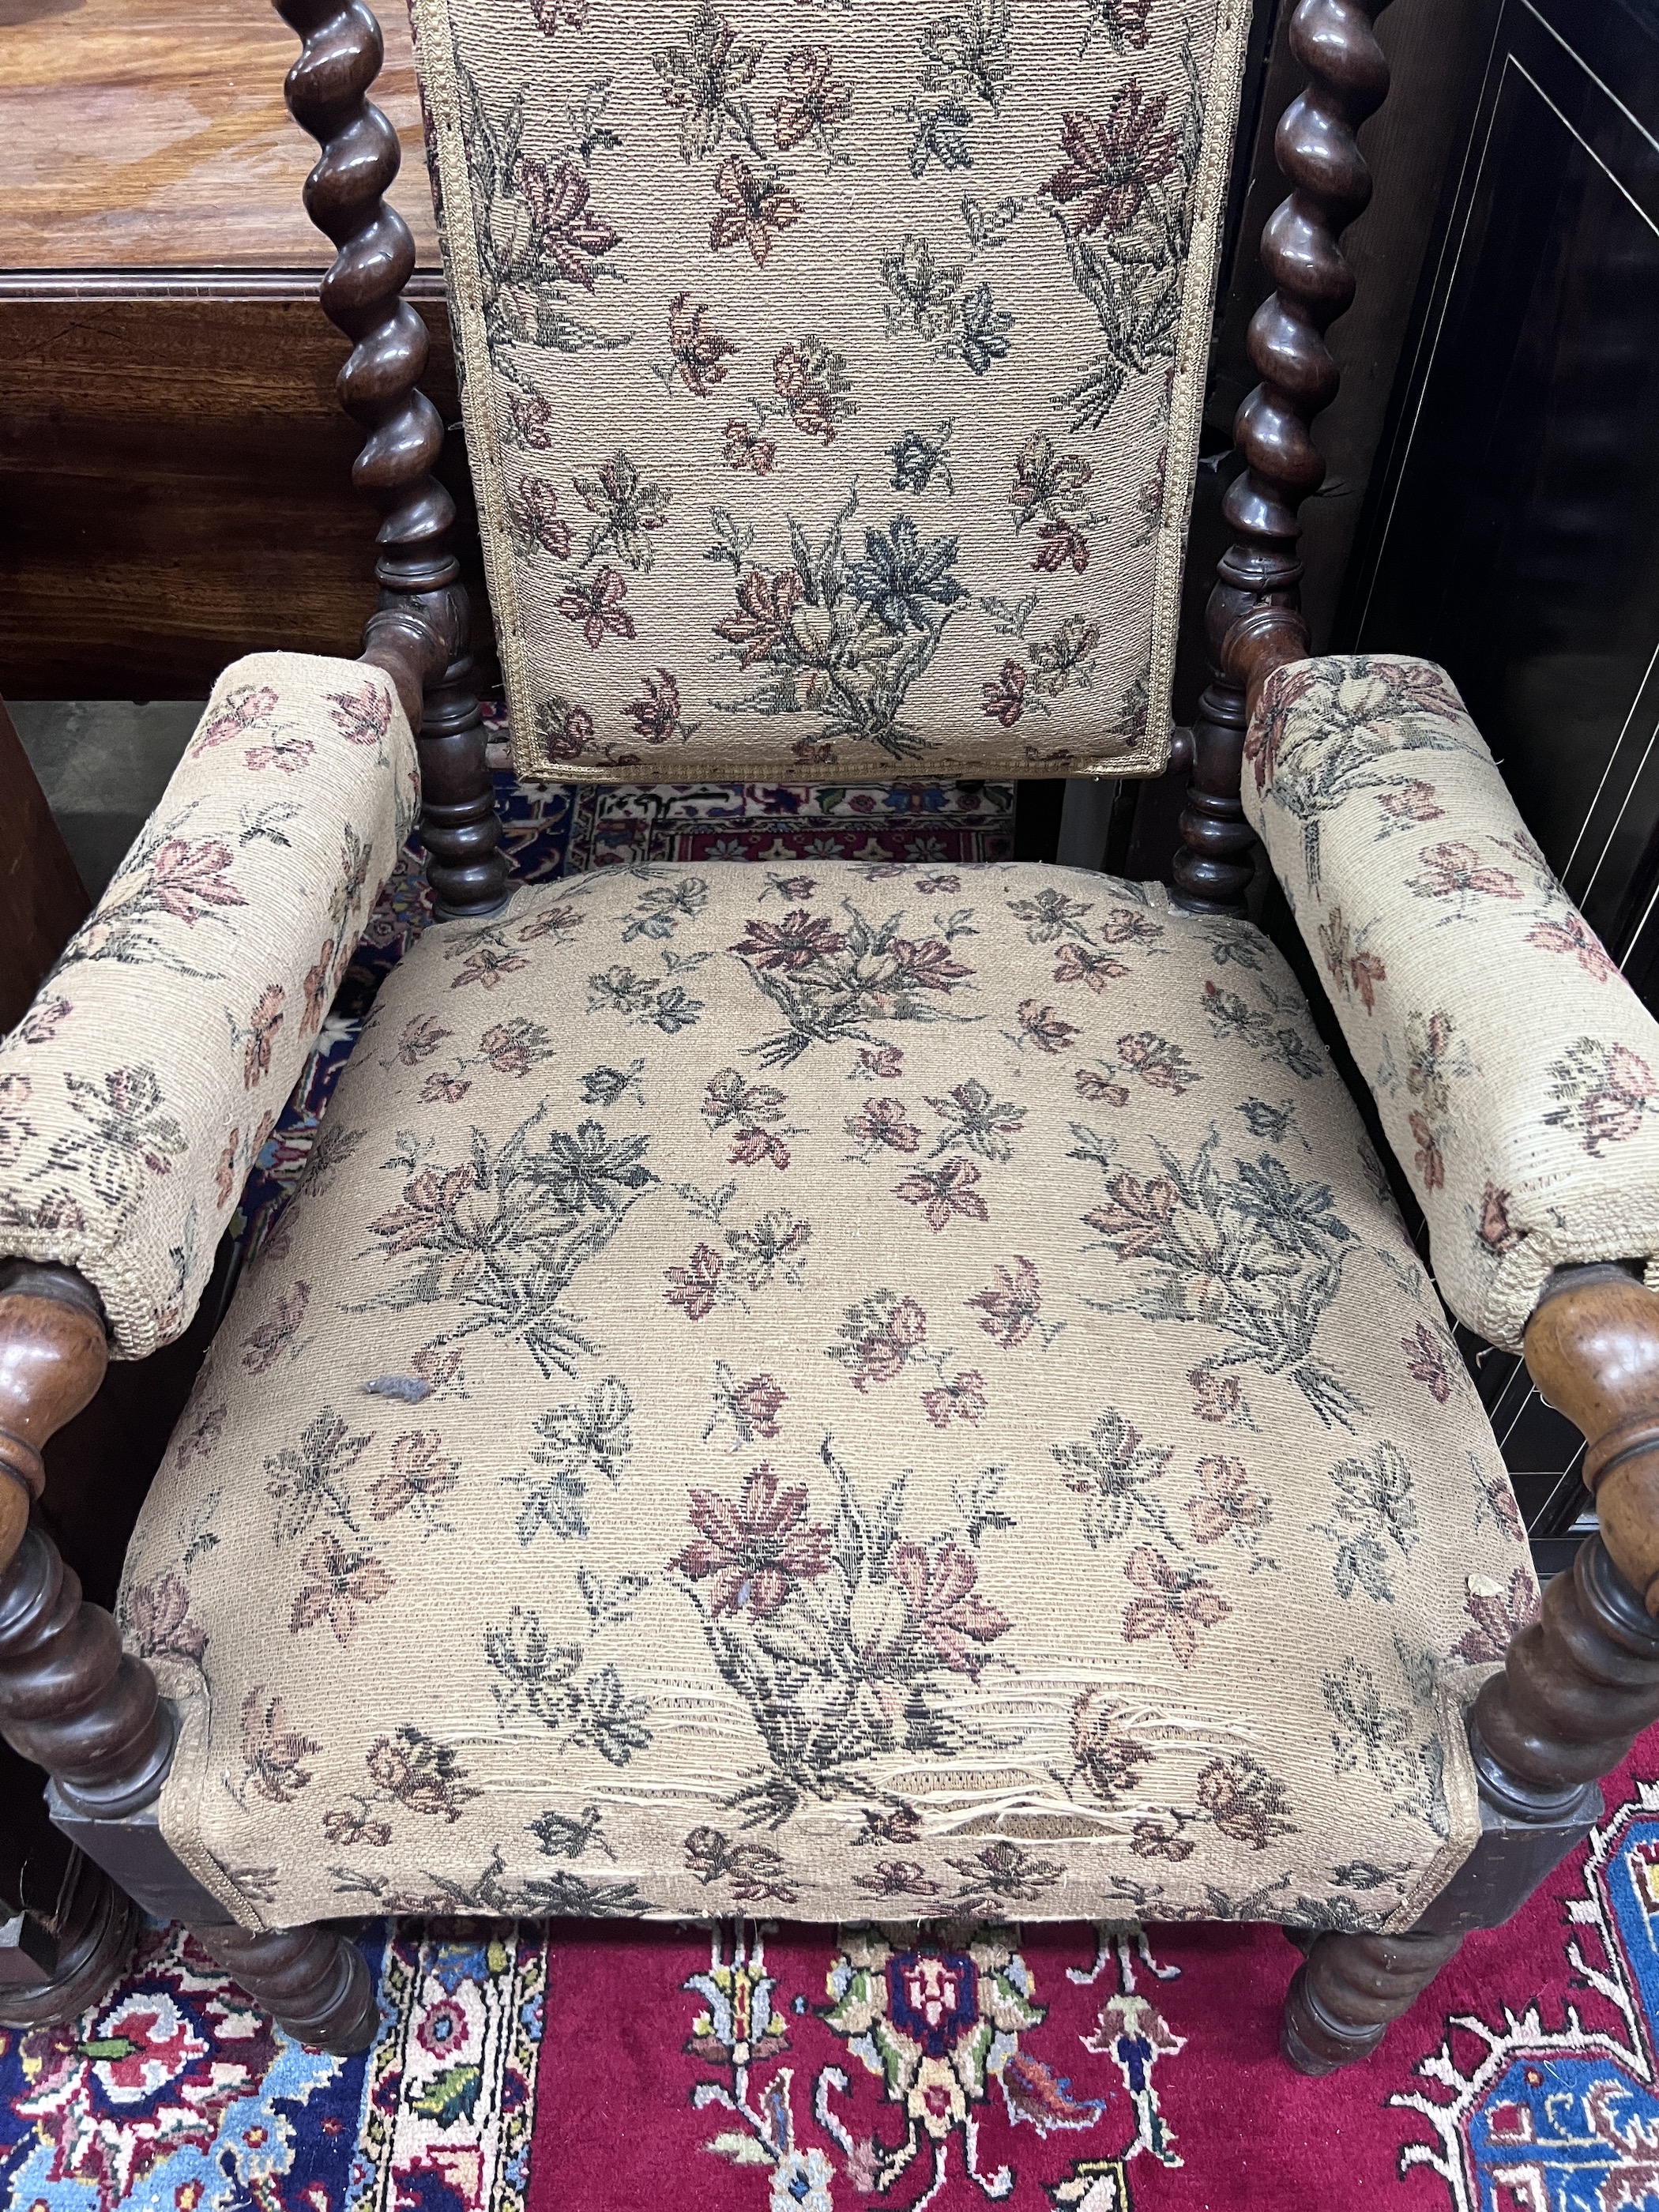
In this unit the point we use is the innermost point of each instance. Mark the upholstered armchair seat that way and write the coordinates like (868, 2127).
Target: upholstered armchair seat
(880, 1387)
(857, 1389)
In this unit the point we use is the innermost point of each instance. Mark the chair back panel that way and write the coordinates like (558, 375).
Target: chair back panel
(832, 376)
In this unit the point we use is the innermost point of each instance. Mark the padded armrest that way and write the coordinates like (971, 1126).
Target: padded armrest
(140, 1085)
(1513, 1068)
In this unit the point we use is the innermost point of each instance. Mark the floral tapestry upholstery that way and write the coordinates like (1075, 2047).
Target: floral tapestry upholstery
(1513, 1068)
(863, 1389)
(832, 378)
(140, 1087)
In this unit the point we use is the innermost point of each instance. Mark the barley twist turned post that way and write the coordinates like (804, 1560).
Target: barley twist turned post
(1254, 619)
(420, 633)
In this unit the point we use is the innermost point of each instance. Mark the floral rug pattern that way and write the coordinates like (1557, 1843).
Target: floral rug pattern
(177, 2095)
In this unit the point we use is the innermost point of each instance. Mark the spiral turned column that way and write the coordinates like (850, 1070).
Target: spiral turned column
(1581, 1683)
(420, 633)
(1254, 619)
(70, 1699)
(314, 1981)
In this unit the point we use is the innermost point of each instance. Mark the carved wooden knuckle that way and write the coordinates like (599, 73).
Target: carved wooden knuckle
(53, 1352)
(1266, 638)
(376, 374)
(1592, 1347)
(1333, 41)
(1299, 252)
(1281, 349)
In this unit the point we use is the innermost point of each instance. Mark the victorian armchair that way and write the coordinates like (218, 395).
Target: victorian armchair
(871, 1391)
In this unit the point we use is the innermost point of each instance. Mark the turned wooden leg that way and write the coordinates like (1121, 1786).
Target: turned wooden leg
(70, 1698)
(1577, 1687)
(314, 1981)
(58, 1959)
(1350, 1988)
(73, 1702)
(465, 864)
(1580, 1685)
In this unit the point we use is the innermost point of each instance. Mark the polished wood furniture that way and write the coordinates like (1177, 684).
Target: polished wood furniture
(42, 899)
(174, 478)
(1575, 1687)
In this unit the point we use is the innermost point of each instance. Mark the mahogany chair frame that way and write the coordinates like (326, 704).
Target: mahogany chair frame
(1575, 1688)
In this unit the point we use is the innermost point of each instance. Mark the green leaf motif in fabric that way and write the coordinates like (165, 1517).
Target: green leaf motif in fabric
(1375, 1508)
(578, 1443)
(1252, 1255)
(838, 1636)
(832, 985)
(503, 1234)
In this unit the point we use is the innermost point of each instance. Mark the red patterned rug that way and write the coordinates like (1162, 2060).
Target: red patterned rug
(745, 2069)
(1074, 2069)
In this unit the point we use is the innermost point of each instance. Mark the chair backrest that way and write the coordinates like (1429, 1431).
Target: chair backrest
(830, 407)
(832, 389)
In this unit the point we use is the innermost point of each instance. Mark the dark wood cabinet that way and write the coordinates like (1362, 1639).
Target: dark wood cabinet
(175, 483)
(1511, 528)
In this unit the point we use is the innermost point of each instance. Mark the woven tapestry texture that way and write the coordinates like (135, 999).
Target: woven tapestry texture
(832, 381)
(143, 1083)
(912, 1388)
(1513, 1066)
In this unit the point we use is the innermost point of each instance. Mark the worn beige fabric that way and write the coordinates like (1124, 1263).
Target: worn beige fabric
(868, 1388)
(1513, 1066)
(140, 1085)
(833, 377)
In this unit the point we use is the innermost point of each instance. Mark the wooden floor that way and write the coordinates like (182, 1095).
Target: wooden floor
(152, 134)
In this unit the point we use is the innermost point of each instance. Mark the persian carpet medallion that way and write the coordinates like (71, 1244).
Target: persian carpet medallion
(1525, 2119)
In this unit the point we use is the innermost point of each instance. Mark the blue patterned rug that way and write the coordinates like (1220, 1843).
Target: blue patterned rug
(176, 2094)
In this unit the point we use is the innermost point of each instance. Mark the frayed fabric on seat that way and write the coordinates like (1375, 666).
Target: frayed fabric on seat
(1516, 1072)
(844, 1389)
(140, 1087)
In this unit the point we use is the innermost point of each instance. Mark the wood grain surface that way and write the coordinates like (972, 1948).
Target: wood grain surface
(152, 134)
(175, 489)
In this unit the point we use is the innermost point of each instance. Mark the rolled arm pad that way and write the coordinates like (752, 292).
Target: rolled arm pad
(1516, 1072)
(142, 1083)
